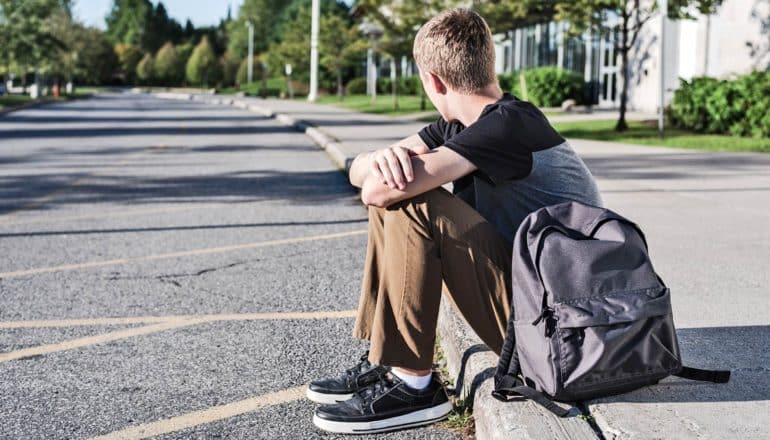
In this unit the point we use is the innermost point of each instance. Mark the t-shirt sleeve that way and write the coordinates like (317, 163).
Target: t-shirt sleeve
(501, 142)
(434, 134)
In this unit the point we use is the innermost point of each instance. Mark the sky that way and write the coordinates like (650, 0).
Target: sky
(200, 12)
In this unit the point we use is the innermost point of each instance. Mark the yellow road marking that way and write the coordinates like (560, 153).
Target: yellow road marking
(201, 417)
(193, 252)
(167, 323)
(47, 323)
(97, 339)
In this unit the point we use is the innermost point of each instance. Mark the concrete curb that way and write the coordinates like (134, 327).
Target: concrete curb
(468, 359)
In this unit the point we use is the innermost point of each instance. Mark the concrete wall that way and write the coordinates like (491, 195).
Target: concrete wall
(734, 41)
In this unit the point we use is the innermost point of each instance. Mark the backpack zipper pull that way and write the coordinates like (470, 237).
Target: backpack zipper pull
(545, 314)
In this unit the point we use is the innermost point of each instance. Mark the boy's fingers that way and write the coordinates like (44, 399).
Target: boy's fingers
(386, 173)
(406, 163)
(395, 169)
(377, 172)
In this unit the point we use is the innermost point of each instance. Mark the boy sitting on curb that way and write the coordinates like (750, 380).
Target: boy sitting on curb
(505, 161)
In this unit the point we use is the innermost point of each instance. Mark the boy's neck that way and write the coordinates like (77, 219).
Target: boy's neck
(469, 107)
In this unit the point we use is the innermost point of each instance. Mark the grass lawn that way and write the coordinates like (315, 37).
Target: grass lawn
(383, 105)
(646, 133)
(7, 101)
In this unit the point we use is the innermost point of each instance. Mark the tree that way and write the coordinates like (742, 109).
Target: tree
(633, 15)
(341, 46)
(88, 56)
(144, 70)
(502, 16)
(203, 66)
(263, 14)
(129, 57)
(26, 34)
(400, 22)
(230, 65)
(169, 67)
(139, 23)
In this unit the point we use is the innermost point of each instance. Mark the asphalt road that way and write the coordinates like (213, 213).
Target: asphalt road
(171, 269)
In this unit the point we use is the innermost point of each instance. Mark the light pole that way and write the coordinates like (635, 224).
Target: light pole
(316, 12)
(250, 61)
(663, 17)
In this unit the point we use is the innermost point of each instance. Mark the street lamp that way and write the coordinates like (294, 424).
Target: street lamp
(250, 61)
(374, 33)
(663, 17)
(316, 9)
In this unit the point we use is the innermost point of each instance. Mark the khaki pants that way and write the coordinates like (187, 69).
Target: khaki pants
(416, 246)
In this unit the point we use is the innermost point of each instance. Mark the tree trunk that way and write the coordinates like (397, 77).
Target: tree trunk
(340, 89)
(622, 125)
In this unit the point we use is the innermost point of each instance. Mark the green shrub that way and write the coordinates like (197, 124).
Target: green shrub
(407, 85)
(738, 107)
(356, 86)
(507, 80)
(550, 86)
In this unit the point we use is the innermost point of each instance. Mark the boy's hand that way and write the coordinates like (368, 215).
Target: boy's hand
(393, 166)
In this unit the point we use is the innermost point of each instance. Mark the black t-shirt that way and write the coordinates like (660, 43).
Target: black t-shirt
(523, 163)
(500, 143)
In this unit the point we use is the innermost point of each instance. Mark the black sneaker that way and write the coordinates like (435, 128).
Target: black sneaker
(342, 388)
(386, 405)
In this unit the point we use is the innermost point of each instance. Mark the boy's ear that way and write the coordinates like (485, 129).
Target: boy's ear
(437, 83)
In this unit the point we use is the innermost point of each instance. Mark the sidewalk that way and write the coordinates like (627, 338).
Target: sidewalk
(707, 221)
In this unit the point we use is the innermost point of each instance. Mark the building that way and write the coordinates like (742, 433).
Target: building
(733, 41)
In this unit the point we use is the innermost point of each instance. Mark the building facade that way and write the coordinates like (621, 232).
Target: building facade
(735, 40)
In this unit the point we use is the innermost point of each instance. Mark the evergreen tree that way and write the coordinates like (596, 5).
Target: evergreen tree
(144, 70)
(203, 66)
(168, 68)
(129, 57)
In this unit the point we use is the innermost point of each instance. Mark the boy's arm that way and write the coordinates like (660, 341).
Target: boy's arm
(369, 163)
(431, 170)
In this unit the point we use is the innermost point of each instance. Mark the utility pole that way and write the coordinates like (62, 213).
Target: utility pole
(661, 107)
(314, 51)
(250, 61)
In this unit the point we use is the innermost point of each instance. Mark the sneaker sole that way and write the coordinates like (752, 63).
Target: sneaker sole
(418, 418)
(327, 399)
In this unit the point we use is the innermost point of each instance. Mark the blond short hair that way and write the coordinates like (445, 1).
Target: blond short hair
(457, 46)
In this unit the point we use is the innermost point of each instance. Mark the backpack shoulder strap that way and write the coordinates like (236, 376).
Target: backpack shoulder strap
(509, 387)
(716, 376)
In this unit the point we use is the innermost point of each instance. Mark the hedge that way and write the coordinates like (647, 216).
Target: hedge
(738, 106)
(356, 86)
(550, 86)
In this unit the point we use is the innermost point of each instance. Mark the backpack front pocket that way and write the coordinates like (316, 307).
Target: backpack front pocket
(621, 340)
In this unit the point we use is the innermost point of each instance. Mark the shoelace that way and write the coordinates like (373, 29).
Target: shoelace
(360, 366)
(382, 385)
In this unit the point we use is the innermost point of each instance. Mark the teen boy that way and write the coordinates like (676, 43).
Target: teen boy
(505, 161)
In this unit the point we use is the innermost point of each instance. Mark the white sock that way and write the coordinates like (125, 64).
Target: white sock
(413, 381)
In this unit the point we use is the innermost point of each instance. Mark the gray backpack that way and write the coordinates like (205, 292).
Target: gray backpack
(590, 317)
